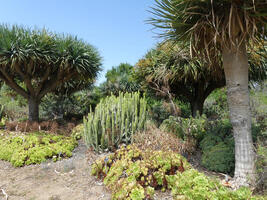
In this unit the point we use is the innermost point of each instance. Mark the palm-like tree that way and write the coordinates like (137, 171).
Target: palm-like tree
(119, 79)
(171, 72)
(228, 27)
(37, 62)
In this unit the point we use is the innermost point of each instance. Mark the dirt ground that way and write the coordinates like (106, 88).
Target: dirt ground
(68, 179)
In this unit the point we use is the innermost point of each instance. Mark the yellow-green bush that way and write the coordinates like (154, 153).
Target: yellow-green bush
(35, 148)
(77, 132)
(191, 185)
(134, 174)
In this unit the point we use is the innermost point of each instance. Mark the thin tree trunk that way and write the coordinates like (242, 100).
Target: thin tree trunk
(33, 109)
(235, 65)
(197, 107)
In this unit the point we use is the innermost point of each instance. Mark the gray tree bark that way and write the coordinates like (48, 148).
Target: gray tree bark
(235, 63)
(33, 109)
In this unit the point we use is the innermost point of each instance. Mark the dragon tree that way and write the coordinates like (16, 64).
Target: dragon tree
(37, 62)
(229, 28)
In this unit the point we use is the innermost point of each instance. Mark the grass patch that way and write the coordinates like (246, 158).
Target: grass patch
(35, 148)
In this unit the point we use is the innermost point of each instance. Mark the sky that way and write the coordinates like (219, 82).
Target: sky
(117, 28)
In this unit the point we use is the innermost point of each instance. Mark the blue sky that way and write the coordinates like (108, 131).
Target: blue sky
(115, 27)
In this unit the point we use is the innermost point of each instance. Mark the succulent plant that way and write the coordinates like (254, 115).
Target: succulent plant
(114, 121)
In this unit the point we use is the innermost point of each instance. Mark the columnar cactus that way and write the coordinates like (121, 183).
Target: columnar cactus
(114, 121)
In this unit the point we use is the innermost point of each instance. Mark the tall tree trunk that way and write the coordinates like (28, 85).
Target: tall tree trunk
(197, 107)
(235, 65)
(33, 109)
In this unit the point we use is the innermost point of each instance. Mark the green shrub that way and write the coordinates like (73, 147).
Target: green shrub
(219, 158)
(216, 104)
(114, 121)
(218, 147)
(261, 166)
(157, 112)
(77, 132)
(133, 174)
(209, 141)
(67, 106)
(185, 128)
(35, 148)
(185, 108)
(14, 106)
(191, 185)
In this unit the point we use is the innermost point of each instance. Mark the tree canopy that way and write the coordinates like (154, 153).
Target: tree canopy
(119, 79)
(36, 62)
(168, 68)
(211, 25)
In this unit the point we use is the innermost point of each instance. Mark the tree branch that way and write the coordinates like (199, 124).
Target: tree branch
(45, 77)
(26, 79)
(212, 86)
(11, 83)
(51, 85)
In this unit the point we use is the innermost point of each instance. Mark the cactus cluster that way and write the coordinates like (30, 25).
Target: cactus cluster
(114, 121)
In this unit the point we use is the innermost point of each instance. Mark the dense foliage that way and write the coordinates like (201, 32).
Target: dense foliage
(134, 174)
(34, 148)
(186, 128)
(114, 121)
(68, 106)
(170, 71)
(119, 79)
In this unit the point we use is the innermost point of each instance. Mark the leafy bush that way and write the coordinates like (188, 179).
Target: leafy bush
(14, 106)
(185, 108)
(77, 132)
(185, 128)
(219, 158)
(216, 104)
(114, 121)
(67, 106)
(261, 165)
(161, 110)
(218, 147)
(35, 148)
(192, 185)
(133, 174)
(157, 112)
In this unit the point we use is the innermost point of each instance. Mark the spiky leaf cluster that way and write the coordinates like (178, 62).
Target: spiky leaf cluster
(210, 25)
(45, 61)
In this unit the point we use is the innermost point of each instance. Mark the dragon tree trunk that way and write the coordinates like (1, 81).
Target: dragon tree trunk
(33, 109)
(235, 63)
